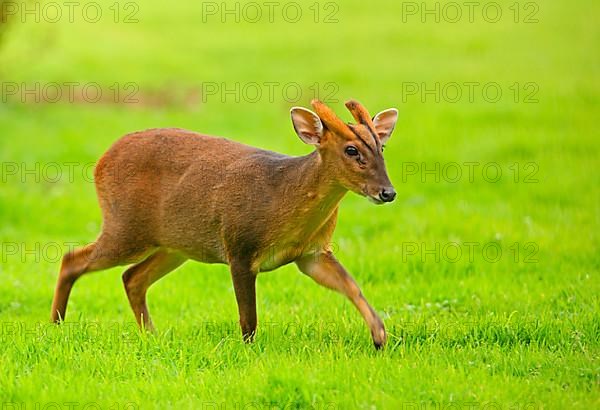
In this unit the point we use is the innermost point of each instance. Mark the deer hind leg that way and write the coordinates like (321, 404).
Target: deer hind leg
(327, 271)
(103, 254)
(138, 278)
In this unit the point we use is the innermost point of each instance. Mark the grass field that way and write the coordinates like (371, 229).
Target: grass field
(485, 269)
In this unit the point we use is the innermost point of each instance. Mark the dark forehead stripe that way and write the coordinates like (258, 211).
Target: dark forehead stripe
(360, 138)
(361, 115)
(374, 135)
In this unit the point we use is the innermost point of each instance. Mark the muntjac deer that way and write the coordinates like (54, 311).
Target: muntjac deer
(191, 196)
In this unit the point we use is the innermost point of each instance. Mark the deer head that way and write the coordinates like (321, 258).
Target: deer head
(351, 153)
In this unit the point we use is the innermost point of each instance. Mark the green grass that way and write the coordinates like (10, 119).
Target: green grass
(471, 334)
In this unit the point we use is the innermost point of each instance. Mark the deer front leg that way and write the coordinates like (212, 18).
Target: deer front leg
(324, 268)
(244, 285)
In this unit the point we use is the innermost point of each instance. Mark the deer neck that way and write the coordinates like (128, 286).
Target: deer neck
(316, 192)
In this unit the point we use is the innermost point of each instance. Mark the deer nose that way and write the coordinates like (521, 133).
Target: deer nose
(387, 194)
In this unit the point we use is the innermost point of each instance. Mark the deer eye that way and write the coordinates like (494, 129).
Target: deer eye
(351, 151)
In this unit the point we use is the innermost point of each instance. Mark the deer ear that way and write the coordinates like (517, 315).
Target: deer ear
(384, 123)
(308, 125)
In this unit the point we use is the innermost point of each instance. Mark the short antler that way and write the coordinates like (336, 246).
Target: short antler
(329, 118)
(360, 113)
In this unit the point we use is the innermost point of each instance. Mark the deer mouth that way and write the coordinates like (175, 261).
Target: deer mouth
(375, 199)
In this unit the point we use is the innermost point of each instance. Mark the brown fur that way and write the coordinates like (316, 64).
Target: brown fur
(168, 195)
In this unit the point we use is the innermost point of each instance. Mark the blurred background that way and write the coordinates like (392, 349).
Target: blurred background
(496, 146)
